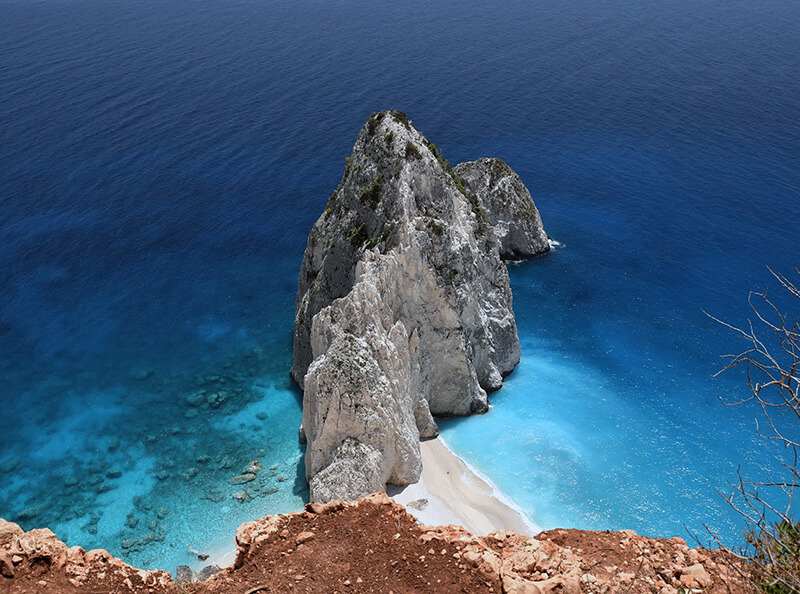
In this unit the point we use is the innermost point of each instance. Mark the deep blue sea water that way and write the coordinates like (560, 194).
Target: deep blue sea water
(162, 162)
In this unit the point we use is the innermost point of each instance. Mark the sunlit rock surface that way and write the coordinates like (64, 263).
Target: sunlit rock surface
(404, 304)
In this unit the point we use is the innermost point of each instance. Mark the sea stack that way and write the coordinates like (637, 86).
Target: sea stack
(404, 304)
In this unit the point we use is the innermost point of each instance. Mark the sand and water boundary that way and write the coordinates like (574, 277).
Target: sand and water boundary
(450, 491)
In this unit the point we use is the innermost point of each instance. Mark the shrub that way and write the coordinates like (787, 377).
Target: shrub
(412, 152)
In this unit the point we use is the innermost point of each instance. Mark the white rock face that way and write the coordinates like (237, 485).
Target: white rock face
(403, 306)
(508, 205)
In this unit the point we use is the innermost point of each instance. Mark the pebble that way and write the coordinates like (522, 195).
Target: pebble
(304, 537)
(418, 504)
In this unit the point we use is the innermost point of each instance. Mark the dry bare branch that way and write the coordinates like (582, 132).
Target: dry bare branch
(772, 366)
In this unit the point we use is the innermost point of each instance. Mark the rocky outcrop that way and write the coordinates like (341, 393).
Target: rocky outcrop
(404, 305)
(509, 207)
(394, 553)
(373, 545)
(37, 561)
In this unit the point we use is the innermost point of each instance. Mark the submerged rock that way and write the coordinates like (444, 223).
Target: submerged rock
(189, 473)
(254, 467)
(404, 305)
(216, 399)
(215, 495)
(103, 488)
(141, 374)
(113, 473)
(185, 575)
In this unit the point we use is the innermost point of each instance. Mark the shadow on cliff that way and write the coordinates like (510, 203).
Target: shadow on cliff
(300, 486)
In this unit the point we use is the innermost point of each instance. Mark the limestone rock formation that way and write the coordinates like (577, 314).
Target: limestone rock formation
(404, 305)
(508, 205)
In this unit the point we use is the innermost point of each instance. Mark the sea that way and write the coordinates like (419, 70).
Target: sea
(162, 163)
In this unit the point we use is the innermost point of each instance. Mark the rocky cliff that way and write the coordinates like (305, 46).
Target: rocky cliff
(404, 304)
(373, 545)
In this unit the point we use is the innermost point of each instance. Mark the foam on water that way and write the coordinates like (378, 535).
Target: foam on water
(532, 527)
(574, 450)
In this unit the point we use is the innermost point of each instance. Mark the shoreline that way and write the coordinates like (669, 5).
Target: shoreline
(455, 493)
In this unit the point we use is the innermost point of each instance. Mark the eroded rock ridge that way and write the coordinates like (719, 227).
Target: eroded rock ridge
(404, 304)
(373, 545)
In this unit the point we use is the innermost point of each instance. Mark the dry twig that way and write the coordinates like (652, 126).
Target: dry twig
(772, 363)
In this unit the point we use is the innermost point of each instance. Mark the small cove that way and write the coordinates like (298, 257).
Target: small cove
(164, 163)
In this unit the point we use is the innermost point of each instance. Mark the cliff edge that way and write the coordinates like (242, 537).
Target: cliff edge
(404, 304)
(373, 545)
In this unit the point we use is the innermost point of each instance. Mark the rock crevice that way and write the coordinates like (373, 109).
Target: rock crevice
(404, 304)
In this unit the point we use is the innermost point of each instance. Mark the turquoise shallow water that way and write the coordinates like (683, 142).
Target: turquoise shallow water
(162, 164)
(612, 419)
(118, 468)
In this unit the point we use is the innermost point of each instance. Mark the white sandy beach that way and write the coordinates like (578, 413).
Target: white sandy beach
(449, 491)
(458, 494)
